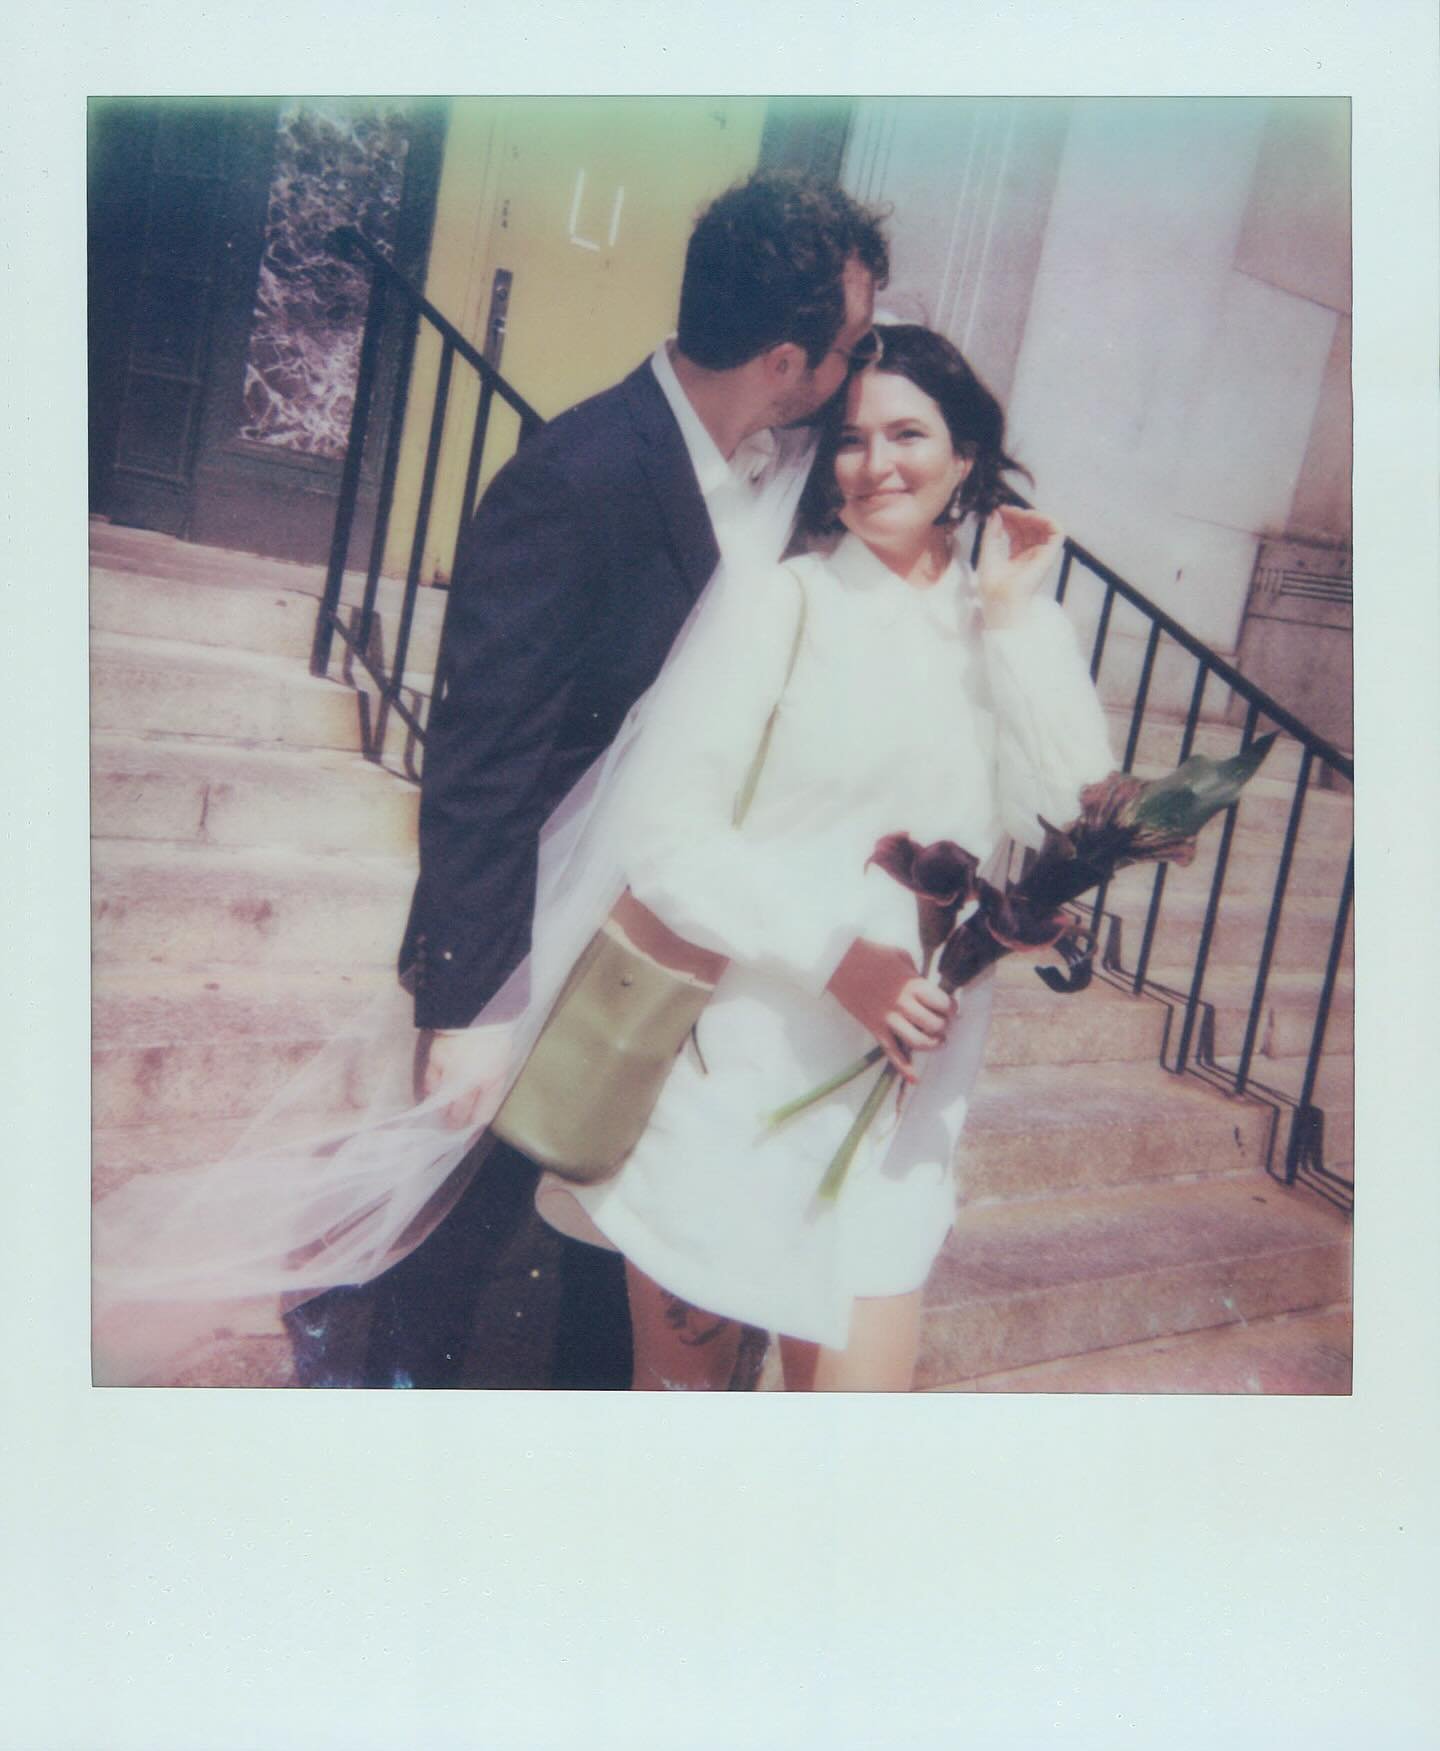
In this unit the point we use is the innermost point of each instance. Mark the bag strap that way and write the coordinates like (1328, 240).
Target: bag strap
(746, 794)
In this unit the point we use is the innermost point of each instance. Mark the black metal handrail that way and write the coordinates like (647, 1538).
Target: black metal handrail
(1194, 1051)
(388, 284)
(1303, 1153)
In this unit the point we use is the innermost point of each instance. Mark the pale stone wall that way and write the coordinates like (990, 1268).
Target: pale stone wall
(1159, 288)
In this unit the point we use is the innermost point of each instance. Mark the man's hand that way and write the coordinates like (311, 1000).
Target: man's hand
(882, 988)
(1016, 551)
(471, 1062)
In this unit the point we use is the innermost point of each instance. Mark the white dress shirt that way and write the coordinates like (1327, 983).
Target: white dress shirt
(752, 497)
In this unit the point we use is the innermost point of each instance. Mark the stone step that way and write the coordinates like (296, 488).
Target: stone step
(1334, 1094)
(217, 793)
(1317, 869)
(170, 904)
(218, 602)
(1288, 1012)
(1033, 1025)
(217, 1041)
(1302, 941)
(1039, 1129)
(1288, 1353)
(212, 1042)
(144, 685)
(1028, 1282)
(120, 1152)
(178, 609)
(115, 547)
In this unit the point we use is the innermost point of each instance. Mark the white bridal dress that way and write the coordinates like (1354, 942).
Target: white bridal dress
(902, 715)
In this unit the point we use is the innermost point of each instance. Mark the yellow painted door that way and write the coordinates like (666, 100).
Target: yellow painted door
(587, 203)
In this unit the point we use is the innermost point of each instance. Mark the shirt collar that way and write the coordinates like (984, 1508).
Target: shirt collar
(752, 456)
(947, 602)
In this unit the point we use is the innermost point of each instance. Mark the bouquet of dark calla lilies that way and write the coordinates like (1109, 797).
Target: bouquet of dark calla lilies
(967, 924)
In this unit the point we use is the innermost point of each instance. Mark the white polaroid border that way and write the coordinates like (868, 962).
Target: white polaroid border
(307, 1570)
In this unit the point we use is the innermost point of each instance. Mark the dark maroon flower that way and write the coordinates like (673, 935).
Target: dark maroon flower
(942, 872)
(942, 877)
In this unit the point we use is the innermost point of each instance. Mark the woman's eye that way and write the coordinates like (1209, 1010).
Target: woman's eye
(848, 441)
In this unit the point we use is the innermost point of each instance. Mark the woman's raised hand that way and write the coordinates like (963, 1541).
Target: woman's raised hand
(1016, 551)
(883, 989)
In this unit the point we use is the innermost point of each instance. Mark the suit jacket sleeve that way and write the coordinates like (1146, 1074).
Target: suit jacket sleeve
(514, 631)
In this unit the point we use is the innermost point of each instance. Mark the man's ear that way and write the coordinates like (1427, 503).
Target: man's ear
(784, 362)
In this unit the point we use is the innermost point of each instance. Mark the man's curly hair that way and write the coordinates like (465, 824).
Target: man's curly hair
(766, 264)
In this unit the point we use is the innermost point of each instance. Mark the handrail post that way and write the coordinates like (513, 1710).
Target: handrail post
(1212, 913)
(422, 521)
(1272, 922)
(349, 478)
(1322, 1022)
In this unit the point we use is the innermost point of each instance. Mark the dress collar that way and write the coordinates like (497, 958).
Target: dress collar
(948, 601)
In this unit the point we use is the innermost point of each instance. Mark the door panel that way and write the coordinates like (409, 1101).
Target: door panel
(223, 335)
(281, 387)
(587, 203)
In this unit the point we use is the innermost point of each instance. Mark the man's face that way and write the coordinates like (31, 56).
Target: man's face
(817, 384)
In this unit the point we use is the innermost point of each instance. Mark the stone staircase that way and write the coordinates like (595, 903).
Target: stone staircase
(250, 878)
(1119, 1231)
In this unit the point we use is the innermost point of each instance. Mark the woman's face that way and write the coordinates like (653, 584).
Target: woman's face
(895, 464)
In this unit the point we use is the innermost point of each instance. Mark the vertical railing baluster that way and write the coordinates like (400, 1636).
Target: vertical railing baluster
(1142, 695)
(1137, 712)
(349, 477)
(477, 453)
(1300, 1121)
(1157, 893)
(1101, 632)
(1212, 912)
(1062, 583)
(389, 469)
(392, 297)
(422, 521)
(1272, 923)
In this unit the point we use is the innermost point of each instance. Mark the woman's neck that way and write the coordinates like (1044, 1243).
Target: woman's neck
(920, 565)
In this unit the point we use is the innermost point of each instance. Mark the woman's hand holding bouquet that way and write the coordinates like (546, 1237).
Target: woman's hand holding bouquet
(967, 924)
(886, 993)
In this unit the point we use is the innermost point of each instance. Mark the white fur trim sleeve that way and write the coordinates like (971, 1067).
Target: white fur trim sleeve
(788, 905)
(1052, 738)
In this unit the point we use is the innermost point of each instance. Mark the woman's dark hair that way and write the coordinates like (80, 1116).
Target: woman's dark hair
(974, 418)
(766, 264)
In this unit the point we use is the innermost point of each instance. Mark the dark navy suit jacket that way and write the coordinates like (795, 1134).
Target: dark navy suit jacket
(570, 584)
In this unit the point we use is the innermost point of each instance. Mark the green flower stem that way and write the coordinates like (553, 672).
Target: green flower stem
(845, 1154)
(801, 1102)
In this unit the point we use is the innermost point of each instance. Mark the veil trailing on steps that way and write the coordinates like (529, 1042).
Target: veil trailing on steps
(345, 1171)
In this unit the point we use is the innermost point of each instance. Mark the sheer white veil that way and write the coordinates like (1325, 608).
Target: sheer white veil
(346, 1171)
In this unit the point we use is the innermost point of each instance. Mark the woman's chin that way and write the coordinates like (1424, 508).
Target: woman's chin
(887, 533)
(886, 526)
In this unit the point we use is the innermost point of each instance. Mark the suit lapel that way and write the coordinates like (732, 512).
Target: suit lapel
(666, 465)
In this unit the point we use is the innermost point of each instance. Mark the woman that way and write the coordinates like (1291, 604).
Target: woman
(922, 699)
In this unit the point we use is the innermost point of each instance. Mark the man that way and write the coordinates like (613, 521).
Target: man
(572, 581)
